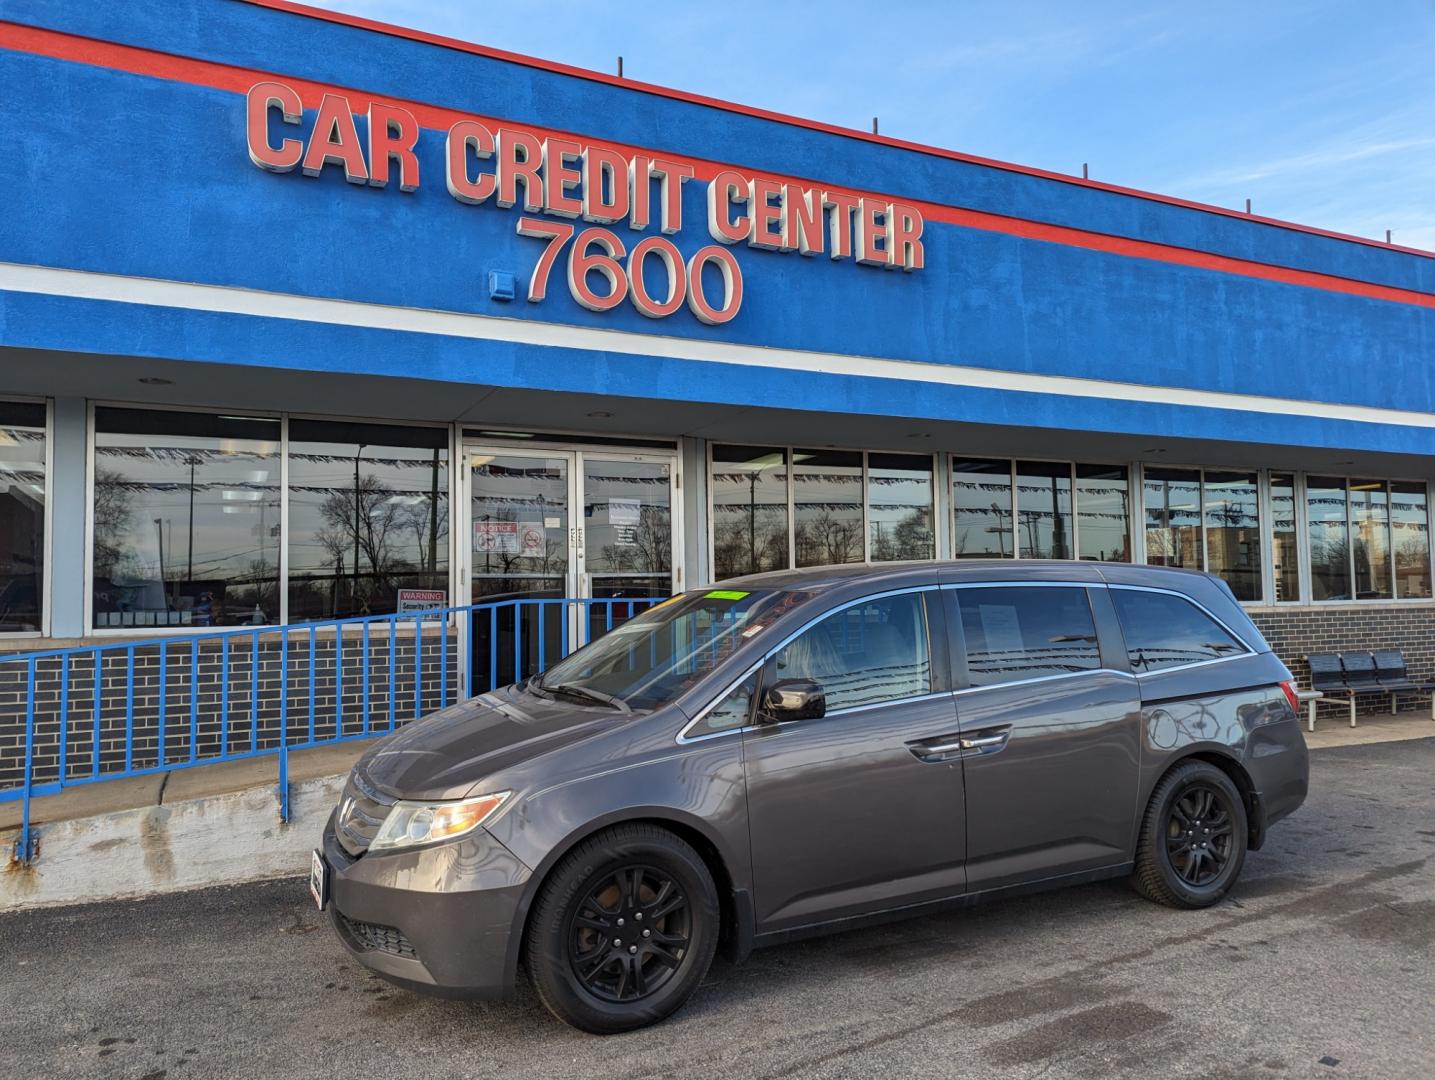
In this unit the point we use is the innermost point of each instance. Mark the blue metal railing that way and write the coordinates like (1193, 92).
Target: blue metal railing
(133, 708)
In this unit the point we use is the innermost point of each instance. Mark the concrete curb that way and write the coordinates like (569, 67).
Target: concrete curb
(216, 840)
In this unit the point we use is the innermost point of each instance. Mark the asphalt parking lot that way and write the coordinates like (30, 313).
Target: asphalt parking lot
(1322, 963)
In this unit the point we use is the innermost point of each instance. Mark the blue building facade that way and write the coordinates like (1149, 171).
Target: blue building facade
(303, 318)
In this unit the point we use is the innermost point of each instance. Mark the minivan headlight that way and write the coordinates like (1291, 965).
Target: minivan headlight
(413, 823)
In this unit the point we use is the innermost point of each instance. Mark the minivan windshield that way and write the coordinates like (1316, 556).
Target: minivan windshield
(652, 659)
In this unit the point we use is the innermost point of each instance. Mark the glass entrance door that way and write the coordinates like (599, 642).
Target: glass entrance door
(550, 525)
(627, 535)
(520, 549)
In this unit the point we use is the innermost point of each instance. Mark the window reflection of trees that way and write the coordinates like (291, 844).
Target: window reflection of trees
(366, 520)
(185, 533)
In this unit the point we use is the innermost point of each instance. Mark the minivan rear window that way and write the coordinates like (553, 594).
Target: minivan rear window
(1164, 630)
(1026, 632)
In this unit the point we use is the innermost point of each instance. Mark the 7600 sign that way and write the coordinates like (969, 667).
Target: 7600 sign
(600, 251)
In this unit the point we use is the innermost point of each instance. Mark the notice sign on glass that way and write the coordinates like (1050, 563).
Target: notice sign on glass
(509, 537)
(496, 536)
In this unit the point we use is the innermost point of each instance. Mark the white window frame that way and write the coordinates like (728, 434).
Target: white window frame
(790, 465)
(91, 630)
(1353, 601)
(1262, 519)
(1132, 489)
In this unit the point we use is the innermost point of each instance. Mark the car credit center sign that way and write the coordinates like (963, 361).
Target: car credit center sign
(567, 180)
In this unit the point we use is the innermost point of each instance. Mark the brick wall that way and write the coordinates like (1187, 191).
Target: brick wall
(1294, 632)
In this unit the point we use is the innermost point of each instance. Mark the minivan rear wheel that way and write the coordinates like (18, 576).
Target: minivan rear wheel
(623, 930)
(1193, 838)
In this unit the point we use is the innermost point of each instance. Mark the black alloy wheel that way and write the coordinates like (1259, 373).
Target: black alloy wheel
(629, 934)
(1199, 837)
(623, 930)
(1193, 837)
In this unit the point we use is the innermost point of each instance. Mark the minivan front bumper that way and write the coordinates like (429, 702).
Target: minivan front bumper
(439, 919)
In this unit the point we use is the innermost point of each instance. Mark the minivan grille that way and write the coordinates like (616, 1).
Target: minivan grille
(361, 811)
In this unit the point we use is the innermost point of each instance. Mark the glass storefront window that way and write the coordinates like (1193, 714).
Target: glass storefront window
(1370, 539)
(22, 515)
(368, 517)
(981, 503)
(186, 519)
(749, 498)
(1284, 542)
(1233, 533)
(827, 506)
(1410, 523)
(1102, 514)
(899, 507)
(1043, 505)
(1172, 503)
(1329, 538)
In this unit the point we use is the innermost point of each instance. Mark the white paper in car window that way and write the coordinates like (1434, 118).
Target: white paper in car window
(1001, 628)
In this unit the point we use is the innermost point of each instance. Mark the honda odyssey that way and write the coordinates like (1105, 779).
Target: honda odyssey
(803, 752)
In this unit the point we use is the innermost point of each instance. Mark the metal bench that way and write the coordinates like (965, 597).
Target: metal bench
(1355, 674)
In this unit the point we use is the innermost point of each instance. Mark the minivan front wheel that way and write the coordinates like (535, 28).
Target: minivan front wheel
(623, 930)
(1193, 838)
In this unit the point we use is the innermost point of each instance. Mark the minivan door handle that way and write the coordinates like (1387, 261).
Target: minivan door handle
(947, 747)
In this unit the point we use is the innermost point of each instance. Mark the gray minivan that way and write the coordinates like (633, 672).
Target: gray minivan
(802, 752)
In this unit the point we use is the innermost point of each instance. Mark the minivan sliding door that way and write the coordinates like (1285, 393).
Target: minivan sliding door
(1052, 770)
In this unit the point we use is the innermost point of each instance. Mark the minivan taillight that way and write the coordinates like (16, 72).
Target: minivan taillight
(1289, 690)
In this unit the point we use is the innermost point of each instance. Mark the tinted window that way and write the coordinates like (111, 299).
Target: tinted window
(1284, 542)
(827, 506)
(368, 517)
(1102, 515)
(1329, 538)
(22, 514)
(1233, 531)
(1044, 509)
(1411, 522)
(1172, 500)
(1163, 630)
(981, 502)
(186, 519)
(899, 506)
(1026, 632)
(749, 493)
(865, 654)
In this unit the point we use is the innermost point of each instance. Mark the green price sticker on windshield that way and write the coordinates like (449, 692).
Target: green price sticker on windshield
(725, 594)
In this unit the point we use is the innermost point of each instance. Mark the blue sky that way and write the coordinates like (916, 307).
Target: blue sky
(1321, 112)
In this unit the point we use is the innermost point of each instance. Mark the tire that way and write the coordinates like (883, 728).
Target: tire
(631, 879)
(1193, 838)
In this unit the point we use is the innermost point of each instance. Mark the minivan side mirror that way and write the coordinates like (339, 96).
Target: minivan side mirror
(793, 699)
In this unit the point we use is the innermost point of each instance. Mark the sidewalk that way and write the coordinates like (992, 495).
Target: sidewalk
(1332, 728)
